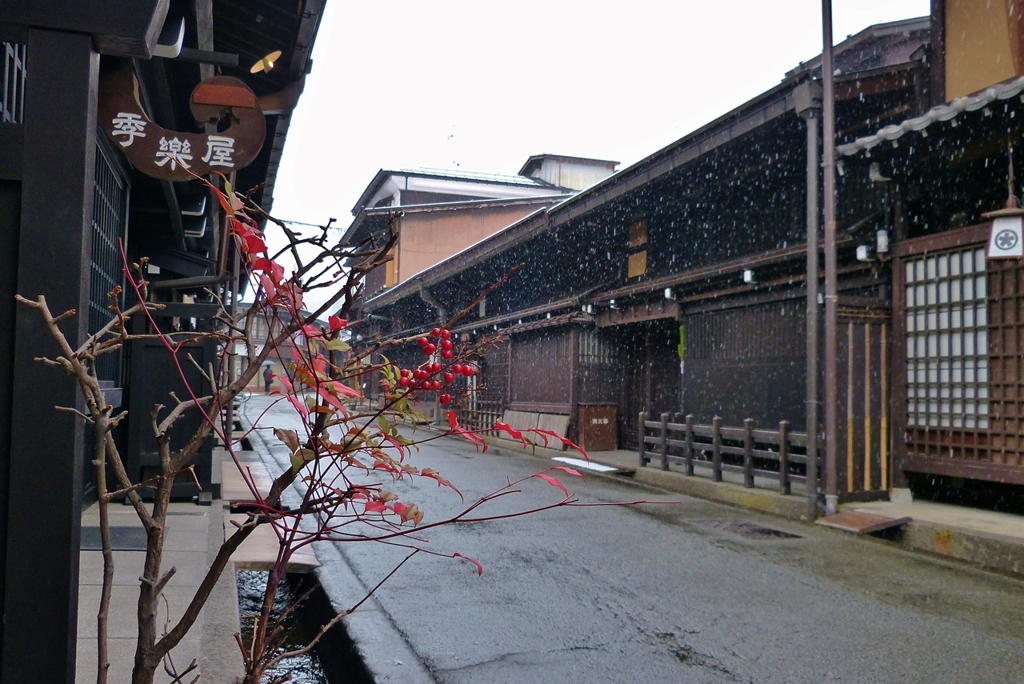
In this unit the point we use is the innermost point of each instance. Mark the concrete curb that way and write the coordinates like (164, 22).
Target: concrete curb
(384, 650)
(987, 551)
(792, 507)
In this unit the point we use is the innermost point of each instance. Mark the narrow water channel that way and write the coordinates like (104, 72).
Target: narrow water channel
(305, 669)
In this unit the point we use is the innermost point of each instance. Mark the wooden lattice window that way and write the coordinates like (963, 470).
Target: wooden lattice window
(947, 341)
(12, 82)
(109, 219)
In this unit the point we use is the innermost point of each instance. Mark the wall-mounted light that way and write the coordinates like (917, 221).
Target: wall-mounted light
(549, 314)
(882, 242)
(749, 277)
(669, 294)
(875, 173)
(266, 64)
(865, 253)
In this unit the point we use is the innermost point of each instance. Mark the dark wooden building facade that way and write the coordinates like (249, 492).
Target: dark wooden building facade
(678, 285)
(68, 200)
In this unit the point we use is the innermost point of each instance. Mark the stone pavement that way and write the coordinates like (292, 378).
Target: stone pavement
(194, 533)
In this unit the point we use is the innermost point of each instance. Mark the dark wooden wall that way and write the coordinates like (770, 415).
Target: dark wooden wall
(747, 363)
(44, 460)
(541, 379)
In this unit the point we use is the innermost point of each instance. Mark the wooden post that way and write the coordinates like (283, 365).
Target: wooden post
(867, 407)
(884, 437)
(41, 487)
(640, 446)
(664, 441)
(716, 449)
(689, 444)
(677, 418)
(849, 408)
(748, 456)
(784, 486)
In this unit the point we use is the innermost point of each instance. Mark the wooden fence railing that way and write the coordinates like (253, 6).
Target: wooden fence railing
(481, 416)
(754, 453)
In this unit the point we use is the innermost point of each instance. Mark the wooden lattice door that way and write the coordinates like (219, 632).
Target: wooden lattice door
(1006, 368)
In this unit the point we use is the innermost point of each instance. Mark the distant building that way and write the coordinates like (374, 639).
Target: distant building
(445, 211)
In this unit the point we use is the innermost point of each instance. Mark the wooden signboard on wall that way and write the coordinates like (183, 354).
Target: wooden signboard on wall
(179, 156)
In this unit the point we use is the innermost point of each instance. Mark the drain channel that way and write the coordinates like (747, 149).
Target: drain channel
(746, 528)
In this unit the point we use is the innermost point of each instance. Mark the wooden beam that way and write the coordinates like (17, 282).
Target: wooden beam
(43, 504)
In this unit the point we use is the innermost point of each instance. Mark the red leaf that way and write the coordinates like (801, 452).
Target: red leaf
(331, 399)
(434, 475)
(254, 244)
(224, 204)
(374, 507)
(276, 271)
(566, 469)
(552, 481)
(236, 226)
(283, 379)
(477, 440)
(263, 264)
(563, 440)
(336, 323)
(299, 406)
(515, 434)
(311, 331)
(344, 390)
(269, 287)
(479, 568)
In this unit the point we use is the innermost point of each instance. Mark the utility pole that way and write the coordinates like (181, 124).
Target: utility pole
(808, 106)
(831, 322)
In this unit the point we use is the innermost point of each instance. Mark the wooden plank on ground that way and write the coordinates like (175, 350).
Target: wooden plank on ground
(233, 487)
(259, 550)
(861, 523)
(579, 463)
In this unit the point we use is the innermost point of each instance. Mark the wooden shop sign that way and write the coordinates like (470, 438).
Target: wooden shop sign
(175, 155)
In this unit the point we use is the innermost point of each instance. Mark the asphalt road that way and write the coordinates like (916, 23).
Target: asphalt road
(673, 593)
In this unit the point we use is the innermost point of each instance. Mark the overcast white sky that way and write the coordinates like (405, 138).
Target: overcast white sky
(482, 85)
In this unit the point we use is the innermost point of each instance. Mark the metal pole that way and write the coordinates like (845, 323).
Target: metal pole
(831, 346)
(813, 165)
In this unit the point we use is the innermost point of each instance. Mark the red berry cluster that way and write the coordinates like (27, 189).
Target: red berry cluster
(427, 376)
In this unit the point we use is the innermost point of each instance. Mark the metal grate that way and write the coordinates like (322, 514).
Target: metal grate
(109, 218)
(12, 97)
(947, 341)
